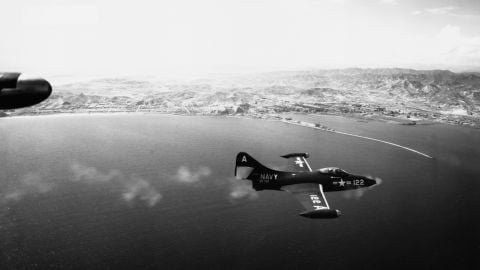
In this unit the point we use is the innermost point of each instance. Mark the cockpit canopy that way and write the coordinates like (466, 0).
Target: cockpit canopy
(333, 171)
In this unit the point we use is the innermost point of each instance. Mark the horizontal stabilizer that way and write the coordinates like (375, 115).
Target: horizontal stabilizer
(297, 162)
(305, 155)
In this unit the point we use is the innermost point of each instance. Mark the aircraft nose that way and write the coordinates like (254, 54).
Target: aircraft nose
(370, 181)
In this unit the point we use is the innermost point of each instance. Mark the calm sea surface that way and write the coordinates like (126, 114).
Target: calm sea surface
(156, 192)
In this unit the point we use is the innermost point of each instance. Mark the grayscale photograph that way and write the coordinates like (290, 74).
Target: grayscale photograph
(228, 134)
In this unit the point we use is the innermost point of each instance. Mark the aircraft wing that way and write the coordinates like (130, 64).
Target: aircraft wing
(313, 199)
(297, 162)
(310, 195)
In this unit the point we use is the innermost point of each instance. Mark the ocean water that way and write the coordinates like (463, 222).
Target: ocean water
(144, 191)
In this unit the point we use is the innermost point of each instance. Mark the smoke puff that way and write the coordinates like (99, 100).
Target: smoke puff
(92, 174)
(35, 182)
(353, 194)
(185, 175)
(134, 187)
(30, 183)
(241, 189)
(140, 188)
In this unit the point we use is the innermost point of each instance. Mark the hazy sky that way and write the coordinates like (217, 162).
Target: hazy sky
(131, 37)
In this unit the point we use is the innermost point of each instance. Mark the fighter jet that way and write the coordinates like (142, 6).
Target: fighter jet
(17, 90)
(306, 185)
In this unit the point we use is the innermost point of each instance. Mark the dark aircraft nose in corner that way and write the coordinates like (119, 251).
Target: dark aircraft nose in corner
(18, 90)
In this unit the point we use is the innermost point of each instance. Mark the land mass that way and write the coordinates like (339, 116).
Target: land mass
(404, 96)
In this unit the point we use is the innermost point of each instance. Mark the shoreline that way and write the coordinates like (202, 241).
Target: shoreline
(326, 129)
(276, 118)
(359, 117)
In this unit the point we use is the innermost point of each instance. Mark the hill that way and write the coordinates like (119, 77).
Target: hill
(439, 95)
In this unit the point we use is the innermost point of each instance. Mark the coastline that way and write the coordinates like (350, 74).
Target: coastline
(277, 118)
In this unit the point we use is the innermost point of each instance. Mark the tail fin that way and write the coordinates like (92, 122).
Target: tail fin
(246, 167)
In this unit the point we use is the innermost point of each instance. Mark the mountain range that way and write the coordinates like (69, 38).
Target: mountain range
(399, 90)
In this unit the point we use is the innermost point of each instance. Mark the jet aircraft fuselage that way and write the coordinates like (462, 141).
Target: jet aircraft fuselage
(331, 181)
(300, 180)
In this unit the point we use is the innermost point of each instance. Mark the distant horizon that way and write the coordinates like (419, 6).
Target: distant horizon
(218, 36)
(186, 73)
(59, 78)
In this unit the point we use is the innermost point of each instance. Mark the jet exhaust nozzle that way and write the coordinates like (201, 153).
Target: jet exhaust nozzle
(325, 213)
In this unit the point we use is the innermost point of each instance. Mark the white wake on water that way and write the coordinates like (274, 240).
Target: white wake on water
(311, 125)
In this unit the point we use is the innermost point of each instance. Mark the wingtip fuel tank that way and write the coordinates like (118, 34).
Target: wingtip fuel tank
(18, 90)
(326, 213)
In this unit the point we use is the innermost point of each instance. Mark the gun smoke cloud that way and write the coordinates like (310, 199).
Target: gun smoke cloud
(135, 188)
(132, 188)
(237, 189)
(30, 183)
(187, 175)
(141, 189)
(240, 189)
